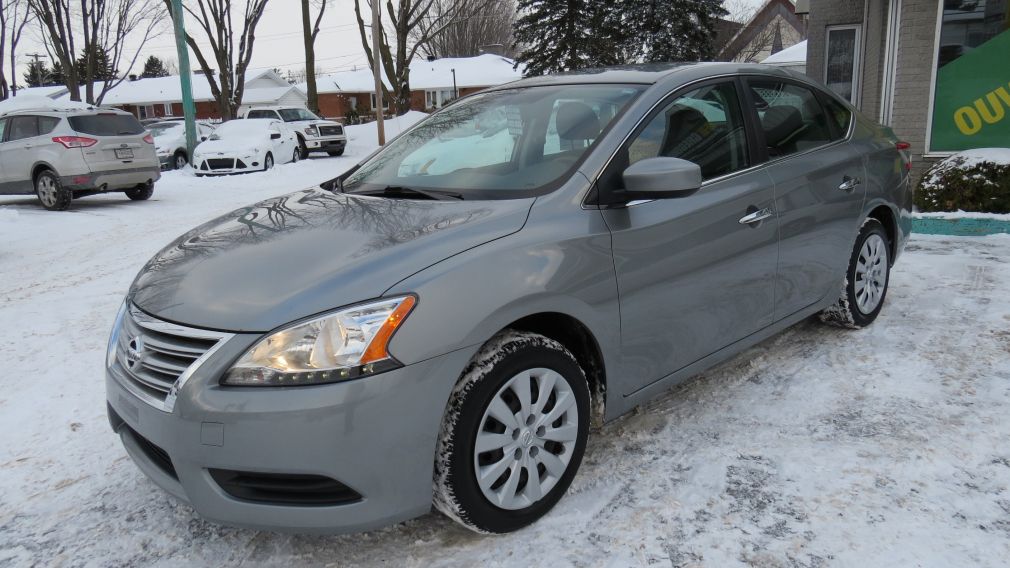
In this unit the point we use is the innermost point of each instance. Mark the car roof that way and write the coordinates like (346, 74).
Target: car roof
(652, 74)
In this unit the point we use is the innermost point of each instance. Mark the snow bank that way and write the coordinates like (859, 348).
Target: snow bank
(366, 135)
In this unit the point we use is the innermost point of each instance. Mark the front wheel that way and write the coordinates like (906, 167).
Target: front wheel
(295, 156)
(865, 286)
(513, 433)
(303, 150)
(268, 162)
(336, 152)
(51, 192)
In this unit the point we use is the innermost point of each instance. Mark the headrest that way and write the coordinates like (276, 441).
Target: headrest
(577, 121)
(780, 123)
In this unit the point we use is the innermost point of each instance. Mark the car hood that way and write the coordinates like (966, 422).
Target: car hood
(226, 147)
(300, 254)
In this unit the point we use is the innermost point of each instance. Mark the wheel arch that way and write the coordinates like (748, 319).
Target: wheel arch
(578, 339)
(888, 218)
(39, 167)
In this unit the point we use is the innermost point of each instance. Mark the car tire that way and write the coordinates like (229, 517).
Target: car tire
(866, 279)
(179, 161)
(295, 156)
(142, 192)
(51, 192)
(268, 162)
(485, 408)
(303, 151)
(335, 152)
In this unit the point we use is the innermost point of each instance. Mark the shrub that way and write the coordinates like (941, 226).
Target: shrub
(976, 180)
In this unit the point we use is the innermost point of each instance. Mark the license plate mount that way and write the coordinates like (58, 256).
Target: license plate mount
(124, 153)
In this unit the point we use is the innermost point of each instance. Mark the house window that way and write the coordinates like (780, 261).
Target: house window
(385, 102)
(971, 98)
(354, 103)
(168, 109)
(437, 98)
(841, 71)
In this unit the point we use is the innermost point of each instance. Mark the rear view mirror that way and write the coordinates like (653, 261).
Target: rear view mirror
(275, 135)
(661, 178)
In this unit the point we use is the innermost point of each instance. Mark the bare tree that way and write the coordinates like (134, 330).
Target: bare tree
(310, 29)
(478, 27)
(412, 24)
(214, 18)
(100, 27)
(14, 17)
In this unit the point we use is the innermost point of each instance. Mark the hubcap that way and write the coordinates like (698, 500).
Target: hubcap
(47, 190)
(526, 439)
(871, 274)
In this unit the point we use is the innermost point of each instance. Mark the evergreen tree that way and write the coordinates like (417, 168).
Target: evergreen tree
(37, 74)
(56, 74)
(103, 67)
(670, 30)
(154, 67)
(564, 35)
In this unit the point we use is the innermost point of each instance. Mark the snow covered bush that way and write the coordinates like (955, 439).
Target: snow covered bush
(975, 180)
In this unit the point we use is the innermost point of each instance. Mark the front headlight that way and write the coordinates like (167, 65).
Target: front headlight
(110, 352)
(343, 345)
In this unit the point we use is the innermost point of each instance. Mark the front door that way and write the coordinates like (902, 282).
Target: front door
(693, 274)
(819, 187)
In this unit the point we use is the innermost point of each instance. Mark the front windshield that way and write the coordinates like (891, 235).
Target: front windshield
(248, 128)
(163, 128)
(295, 114)
(497, 144)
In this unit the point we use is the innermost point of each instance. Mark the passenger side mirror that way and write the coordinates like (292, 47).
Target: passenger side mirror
(661, 178)
(275, 135)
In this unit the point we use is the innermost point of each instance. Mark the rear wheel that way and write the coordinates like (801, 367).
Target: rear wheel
(51, 192)
(142, 192)
(866, 280)
(268, 162)
(179, 161)
(513, 433)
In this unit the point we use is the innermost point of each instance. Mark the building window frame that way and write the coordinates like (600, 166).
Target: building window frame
(385, 101)
(857, 59)
(891, 52)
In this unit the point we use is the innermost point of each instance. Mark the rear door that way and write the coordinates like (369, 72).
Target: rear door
(819, 189)
(693, 274)
(16, 153)
(8, 183)
(119, 141)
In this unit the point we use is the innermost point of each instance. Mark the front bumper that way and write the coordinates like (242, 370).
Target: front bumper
(327, 144)
(112, 180)
(375, 435)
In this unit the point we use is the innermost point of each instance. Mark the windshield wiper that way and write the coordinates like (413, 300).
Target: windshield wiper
(403, 191)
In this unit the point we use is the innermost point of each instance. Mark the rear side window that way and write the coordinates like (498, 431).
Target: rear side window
(792, 118)
(106, 124)
(23, 127)
(47, 124)
(261, 114)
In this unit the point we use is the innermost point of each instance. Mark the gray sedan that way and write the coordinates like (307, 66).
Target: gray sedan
(443, 323)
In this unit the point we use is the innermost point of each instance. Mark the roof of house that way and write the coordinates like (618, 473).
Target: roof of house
(51, 91)
(789, 56)
(169, 89)
(480, 71)
(761, 20)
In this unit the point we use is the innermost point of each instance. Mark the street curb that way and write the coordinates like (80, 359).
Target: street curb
(959, 226)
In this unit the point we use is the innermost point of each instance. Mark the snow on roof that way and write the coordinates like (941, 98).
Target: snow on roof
(35, 102)
(169, 89)
(789, 55)
(480, 71)
(268, 94)
(51, 91)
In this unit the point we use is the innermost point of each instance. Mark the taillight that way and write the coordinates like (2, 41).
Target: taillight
(149, 139)
(904, 146)
(75, 141)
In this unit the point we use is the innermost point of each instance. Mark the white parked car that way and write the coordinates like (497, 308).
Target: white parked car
(240, 146)
(314, 134)
(170, 141)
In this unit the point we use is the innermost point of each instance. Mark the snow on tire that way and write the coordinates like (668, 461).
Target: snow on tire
(520, 412)
(866, 279)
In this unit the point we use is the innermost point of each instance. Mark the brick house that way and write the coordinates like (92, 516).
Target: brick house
(432, 83)
(937, 71)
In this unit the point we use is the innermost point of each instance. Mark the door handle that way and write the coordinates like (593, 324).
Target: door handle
(757, 216)
(849, 184)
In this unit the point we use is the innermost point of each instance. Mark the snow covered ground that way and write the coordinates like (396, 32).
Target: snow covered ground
(820, 447)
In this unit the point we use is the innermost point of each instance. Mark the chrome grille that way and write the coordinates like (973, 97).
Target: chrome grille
(330, 130)
(156, 357)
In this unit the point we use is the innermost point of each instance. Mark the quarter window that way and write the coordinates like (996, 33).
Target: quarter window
(791, 117)
(47, 124)
(704, 126)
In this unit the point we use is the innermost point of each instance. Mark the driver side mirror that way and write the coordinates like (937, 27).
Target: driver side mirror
(661, 178)
(275, 135)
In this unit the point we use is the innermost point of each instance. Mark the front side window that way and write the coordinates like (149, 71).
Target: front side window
(792, 118)
(704, 126)
(500, 144)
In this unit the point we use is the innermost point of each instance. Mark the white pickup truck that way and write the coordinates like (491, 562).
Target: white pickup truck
(314, 134)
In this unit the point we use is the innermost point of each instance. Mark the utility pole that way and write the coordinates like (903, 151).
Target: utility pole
(376, 61)
(185, 78)
(38, 68)
(455, 91)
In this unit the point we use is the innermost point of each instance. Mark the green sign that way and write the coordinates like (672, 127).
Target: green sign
(972, 103)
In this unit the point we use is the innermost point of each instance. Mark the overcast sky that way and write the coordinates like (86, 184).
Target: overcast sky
(279, 39)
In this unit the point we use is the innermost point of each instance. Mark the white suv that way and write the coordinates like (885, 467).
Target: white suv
(60, 155)
(314, 134)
